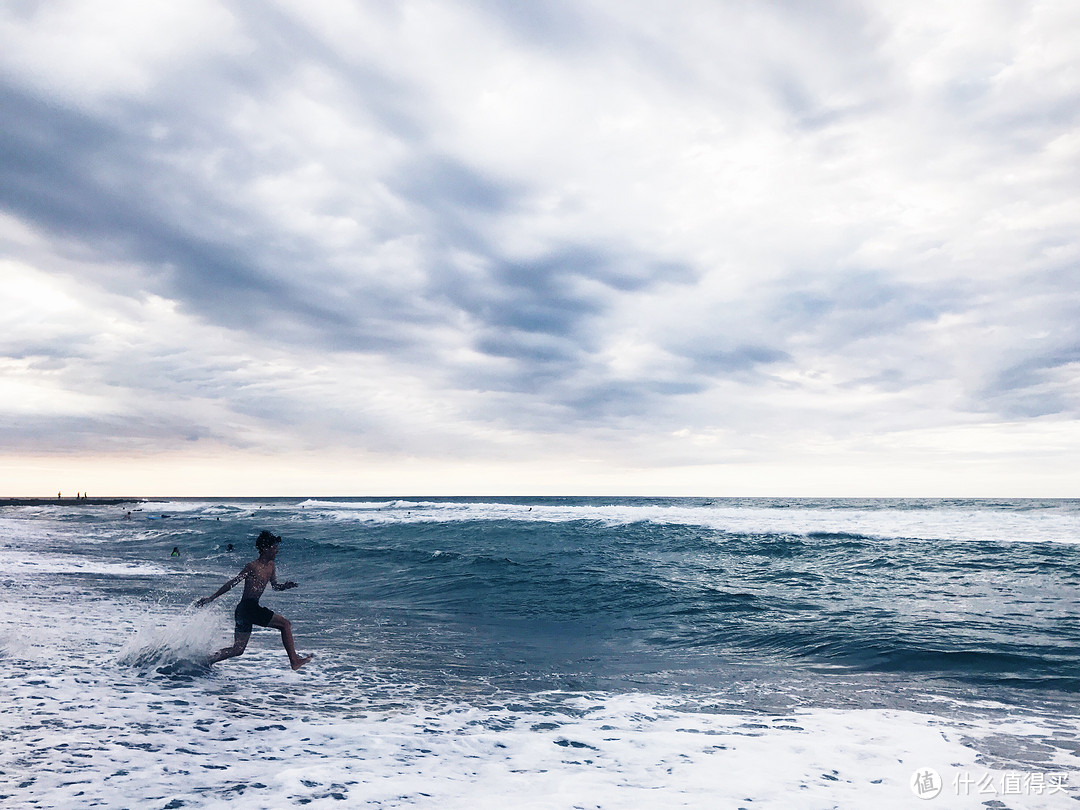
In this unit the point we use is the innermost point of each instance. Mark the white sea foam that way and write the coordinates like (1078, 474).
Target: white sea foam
(23, 562)
(173, 507)
(136, 743)
(354, 506)
(22, 528)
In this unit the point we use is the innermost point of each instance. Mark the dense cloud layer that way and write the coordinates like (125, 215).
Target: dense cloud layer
(650, 236)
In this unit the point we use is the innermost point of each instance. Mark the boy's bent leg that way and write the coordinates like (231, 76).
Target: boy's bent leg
(240, 641)
(282, 624)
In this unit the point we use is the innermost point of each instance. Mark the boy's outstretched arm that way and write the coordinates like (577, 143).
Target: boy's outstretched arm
(224, 588)
(280, 586)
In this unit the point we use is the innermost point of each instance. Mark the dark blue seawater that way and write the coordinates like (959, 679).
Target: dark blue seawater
(542, 592)
(752, 606)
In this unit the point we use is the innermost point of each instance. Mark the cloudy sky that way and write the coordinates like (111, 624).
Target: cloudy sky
(600, 246)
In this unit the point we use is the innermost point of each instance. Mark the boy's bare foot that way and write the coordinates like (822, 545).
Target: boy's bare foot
(299, 662)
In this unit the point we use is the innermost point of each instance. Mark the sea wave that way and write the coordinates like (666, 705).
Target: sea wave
(963, 521)
(23, 563)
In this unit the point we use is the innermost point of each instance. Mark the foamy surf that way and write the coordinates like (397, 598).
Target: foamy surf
(550, 653)
(188, 748)
(956, 523)
(23, 563)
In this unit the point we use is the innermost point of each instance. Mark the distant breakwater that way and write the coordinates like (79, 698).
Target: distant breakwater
(67, 501)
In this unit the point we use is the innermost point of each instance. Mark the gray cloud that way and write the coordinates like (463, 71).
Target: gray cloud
(1039, 384)
(442, 183)
(88, 180)
(713, 361)
(106, 434)
(559, 25)
(840, 309)
(734, 207)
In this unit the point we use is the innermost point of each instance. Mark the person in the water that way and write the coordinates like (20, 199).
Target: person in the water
(175, 551)
(256, 575)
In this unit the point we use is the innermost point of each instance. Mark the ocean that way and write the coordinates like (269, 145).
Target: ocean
(546, 653)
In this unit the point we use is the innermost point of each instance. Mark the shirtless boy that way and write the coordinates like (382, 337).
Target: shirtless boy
(256, 575)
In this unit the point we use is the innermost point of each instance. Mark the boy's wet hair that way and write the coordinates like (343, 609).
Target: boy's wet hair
(265, 540)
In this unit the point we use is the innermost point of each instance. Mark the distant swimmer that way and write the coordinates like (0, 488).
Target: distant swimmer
(256, 574)
(175, 551)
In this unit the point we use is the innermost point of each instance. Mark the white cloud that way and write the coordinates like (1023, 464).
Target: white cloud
(662, 238)
(88, 51)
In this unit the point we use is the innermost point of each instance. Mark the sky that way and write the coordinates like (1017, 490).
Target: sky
(715, 248)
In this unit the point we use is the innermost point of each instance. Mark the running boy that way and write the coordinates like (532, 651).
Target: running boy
(256, 574)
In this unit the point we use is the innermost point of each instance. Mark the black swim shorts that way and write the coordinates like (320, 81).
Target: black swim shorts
(250, 612)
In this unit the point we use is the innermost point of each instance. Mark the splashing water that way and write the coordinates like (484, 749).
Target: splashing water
(183, 644)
